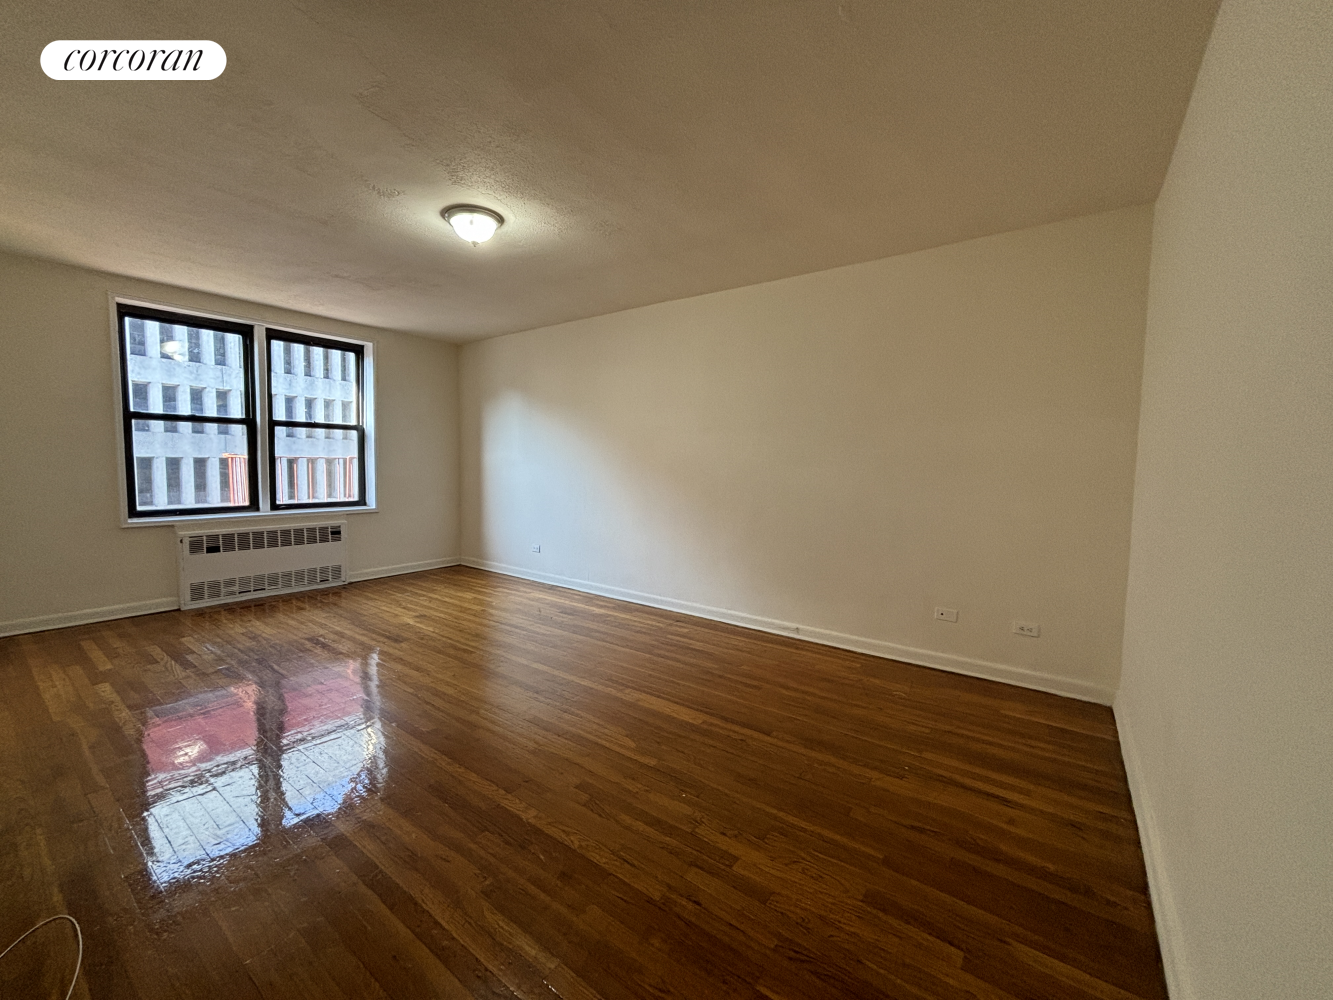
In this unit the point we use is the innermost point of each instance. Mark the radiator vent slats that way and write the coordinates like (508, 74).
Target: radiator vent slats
(205, 591)
(246, 541)
(210, 562)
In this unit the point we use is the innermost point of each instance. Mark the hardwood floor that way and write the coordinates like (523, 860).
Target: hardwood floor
(458, 784)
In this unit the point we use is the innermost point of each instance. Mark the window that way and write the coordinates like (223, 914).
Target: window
(222, 406)
(168, 344)
(143, 478)
(173, 474)
(173, 482)
(169, 404)
(197, 406)
(139, 402)
(201, 480)
(179, 369)
(309, 450)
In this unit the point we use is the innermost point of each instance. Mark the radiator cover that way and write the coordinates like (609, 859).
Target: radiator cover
(221, 566)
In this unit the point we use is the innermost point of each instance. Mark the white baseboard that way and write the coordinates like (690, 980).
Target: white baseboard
(1165, 915)
(417, 567)
(43, 623)
(67, 618)
(1019, 676)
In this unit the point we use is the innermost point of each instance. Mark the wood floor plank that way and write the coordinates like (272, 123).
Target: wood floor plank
(458, 784)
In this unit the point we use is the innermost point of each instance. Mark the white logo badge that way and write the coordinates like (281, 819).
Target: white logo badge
(133, 60)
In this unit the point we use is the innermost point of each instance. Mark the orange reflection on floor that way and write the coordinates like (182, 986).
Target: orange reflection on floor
(228, 768)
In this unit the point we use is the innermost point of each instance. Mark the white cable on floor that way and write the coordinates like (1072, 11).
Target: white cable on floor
(78, 962)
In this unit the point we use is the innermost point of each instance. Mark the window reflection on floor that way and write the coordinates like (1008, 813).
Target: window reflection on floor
(228, 768)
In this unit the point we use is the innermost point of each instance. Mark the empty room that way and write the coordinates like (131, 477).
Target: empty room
(783, 501)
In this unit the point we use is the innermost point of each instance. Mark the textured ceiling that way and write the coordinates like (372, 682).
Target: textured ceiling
(641, 151)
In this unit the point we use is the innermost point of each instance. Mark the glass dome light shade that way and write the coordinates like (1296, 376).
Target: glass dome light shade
(474, 224)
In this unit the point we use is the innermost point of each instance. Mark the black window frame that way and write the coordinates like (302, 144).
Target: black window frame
(274, 422)
(125, 312)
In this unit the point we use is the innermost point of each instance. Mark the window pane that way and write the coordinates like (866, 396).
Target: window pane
(299, 479)
(311, 383)
(185, 367)
(168, 365)
(187, 470)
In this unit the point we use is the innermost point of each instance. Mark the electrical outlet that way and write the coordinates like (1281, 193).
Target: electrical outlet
(946, 614)
(536, 548)
(1027, 628)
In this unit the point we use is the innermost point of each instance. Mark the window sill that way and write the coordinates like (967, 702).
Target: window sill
(230, 519)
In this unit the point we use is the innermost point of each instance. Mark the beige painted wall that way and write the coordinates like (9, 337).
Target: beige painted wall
(62, 547)
(1226, 704)
(842, 451)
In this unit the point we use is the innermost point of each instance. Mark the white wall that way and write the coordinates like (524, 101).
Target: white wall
(1226, 704)
(63, 553)
(843, 451)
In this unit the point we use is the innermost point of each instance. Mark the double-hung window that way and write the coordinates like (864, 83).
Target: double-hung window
(211, 468)
(318, 429)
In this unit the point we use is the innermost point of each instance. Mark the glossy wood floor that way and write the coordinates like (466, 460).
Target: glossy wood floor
(456, 784)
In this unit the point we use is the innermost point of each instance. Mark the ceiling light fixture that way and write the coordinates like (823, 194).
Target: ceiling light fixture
(473, 223)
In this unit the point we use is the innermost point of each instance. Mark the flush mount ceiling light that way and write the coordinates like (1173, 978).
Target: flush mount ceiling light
(473, 223)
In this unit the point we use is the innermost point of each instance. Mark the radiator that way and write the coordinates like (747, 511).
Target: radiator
(220, 566)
